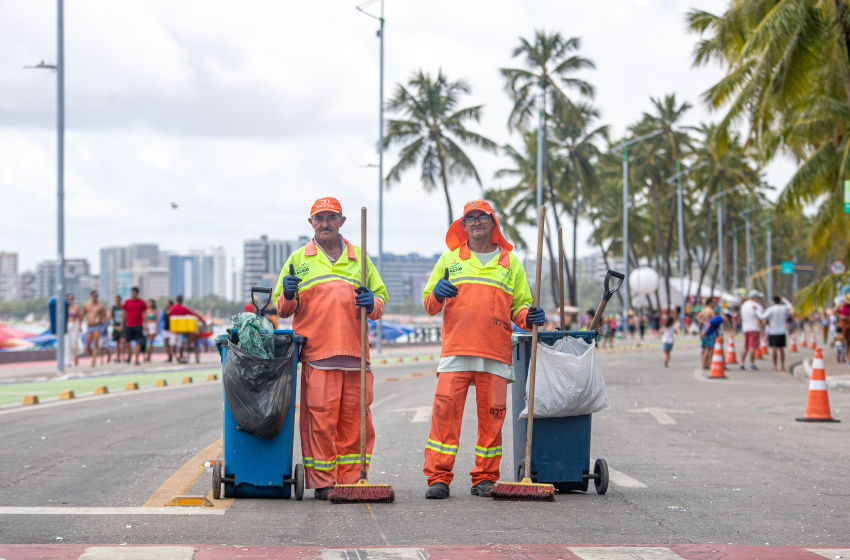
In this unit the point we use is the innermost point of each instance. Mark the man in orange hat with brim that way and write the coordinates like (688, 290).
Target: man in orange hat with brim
(320, 286)
(480, 287)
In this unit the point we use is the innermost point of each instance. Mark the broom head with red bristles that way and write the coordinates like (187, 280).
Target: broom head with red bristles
(362, 493)
(523, 491)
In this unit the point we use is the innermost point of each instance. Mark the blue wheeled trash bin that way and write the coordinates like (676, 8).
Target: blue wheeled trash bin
(560, 450)
(254, 467)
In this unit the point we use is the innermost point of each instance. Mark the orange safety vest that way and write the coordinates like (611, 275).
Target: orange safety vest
(477, 322)
(324, 306)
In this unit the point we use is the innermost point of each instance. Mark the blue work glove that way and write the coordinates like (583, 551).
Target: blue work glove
(444, 289)
(365, 298)
(536, 316)
(290, 284)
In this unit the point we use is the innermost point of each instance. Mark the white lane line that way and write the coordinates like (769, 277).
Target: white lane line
(138, 553)
(624, 480)
(109, 511)
(624, 553)
(831, 552)
(662, 414)
(421, 413)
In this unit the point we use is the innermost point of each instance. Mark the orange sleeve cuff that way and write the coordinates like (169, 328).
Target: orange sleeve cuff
(286, 307)
(432, 306)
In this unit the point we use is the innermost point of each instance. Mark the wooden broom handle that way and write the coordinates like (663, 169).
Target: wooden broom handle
(364, 346)
(532, 364)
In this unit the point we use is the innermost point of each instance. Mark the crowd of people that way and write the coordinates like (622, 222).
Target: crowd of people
(131, 325)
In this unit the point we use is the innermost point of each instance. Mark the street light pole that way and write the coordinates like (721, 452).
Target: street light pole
(681, 248)
(540, 107)
(60, 187)
(720, 241)
(625, 145)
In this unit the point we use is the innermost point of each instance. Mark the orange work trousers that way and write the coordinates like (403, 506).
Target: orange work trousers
(446, 419)
(330, 425)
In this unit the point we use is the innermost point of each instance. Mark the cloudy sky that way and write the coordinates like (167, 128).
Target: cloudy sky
(243, 113)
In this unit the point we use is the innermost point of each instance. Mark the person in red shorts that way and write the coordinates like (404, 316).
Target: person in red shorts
(751, 325)
(132, 321)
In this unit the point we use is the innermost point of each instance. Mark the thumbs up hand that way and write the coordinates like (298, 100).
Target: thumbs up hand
(444, 289)
(290, 284)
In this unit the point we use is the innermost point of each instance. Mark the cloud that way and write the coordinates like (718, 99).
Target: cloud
(244, 113)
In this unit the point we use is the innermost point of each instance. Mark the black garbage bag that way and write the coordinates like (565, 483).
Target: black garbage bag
(259, 390)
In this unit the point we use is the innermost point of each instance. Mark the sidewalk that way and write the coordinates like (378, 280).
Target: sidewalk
(837, 375)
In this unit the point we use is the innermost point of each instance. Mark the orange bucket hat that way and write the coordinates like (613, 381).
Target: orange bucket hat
(326, 204)
(457, 236)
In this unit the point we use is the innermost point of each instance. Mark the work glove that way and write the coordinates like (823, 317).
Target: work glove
(444, 289)
(290, 284)
(600, 332)
(536, 316)
(365, 298)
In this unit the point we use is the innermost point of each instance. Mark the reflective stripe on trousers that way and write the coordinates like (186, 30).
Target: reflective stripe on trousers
(447, 415)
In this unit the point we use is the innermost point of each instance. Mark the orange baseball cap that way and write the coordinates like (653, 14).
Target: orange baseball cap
(326, 204)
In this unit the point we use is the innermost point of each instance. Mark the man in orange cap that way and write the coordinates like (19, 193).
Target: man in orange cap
(480, 287)
(320, 286)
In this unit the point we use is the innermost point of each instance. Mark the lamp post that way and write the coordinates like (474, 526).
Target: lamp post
(361, 8)
(625, 147)
(59, 68)
(678, 180)
(719, 195)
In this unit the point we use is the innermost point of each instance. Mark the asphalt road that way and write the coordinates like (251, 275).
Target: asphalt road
(693, 461)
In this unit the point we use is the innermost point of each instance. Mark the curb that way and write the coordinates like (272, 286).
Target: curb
(832, 381)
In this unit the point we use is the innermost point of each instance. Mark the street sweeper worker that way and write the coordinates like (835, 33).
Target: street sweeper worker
(320, 286)
(480, 287)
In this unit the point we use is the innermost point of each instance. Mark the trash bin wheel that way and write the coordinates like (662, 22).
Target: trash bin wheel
(299, 481)
(216, 480)
(600, 469)
(520, 473)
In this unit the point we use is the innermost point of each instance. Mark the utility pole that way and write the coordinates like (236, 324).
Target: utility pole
(681, 248)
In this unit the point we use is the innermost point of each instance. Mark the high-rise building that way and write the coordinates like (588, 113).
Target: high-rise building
(594, 269)
(28, 286)
(112, 259)
(405, 276)
(265, 258)
(78, 279)
(45, 279)
(9, 283)
(219, 271)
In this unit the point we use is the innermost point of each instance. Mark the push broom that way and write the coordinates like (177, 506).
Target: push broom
(526, 489)
(362, 492)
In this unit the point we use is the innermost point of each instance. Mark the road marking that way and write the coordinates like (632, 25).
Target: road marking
(624, 480)
(138, 553)
(831, 552)
(407, 377)
(422, 413)
(186, 476)
(376, 553)
(109, 511)
(625, 553)
(662, 414)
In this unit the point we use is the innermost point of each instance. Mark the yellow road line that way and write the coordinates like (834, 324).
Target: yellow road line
(186, 476)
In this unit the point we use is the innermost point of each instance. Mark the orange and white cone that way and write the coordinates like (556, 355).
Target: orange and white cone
(817, 408)
(731, 357)
(803, 339)
(793, 347)
(757, 353)
(718, 368)
(813, 345)
(764, 350)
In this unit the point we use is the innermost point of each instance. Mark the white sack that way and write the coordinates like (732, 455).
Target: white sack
(569, 381)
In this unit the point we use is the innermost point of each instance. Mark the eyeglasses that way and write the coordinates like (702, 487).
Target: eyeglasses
(479, 219)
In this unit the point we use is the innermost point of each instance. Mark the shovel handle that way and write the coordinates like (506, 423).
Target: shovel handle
(606, 295)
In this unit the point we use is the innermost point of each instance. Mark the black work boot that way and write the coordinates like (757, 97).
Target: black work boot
(482, 488)
(437, 491)
(322, 493)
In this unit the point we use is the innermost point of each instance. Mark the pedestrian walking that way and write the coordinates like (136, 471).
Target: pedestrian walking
(95, 315)
(776, 321)
(72, 337)
(116, 316)
(133, 323)
(709, 332)
(667, 339)
(480, 287)
(169, 339)
(151, 327)
(320, 286)
(751, 325)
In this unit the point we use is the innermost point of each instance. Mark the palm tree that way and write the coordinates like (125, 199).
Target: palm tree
(432, 131)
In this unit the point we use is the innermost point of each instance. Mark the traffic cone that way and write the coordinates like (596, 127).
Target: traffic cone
(764, 351)
(793, 347)
(813, 345)
(817, 407)
(717, 366)
(731, 357)
(803, 342)
(757, 353)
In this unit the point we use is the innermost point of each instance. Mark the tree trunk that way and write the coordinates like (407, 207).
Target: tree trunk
(553, 200)
(446, 190)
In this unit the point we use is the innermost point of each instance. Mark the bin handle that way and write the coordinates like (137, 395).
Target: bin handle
(260, 290)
